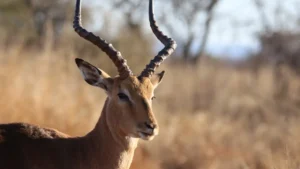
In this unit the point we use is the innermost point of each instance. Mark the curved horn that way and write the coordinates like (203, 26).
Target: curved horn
(106, 47)
(170, 46)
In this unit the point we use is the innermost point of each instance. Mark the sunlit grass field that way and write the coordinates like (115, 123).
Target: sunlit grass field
(211, 116)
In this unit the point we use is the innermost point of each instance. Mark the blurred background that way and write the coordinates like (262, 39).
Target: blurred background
(230, 98)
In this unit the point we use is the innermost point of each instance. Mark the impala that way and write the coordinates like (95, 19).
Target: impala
(126, 117)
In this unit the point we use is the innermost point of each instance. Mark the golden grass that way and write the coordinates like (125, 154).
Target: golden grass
(212, 116)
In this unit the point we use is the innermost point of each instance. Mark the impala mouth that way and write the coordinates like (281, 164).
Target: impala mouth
(147, 135)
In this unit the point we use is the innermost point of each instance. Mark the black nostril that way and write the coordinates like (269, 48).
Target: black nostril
(150, 125)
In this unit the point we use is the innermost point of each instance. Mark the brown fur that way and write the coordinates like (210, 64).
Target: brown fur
(31, 147)
(110, 145)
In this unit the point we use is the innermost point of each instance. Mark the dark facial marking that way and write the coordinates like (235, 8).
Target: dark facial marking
(145, 104)
(91, 81)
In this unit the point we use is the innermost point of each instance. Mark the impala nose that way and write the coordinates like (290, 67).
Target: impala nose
(148, 130)
(150, 125)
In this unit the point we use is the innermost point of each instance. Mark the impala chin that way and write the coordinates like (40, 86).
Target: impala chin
(145, 136)
(148, 134)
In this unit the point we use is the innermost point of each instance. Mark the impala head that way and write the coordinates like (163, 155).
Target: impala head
(129, 96)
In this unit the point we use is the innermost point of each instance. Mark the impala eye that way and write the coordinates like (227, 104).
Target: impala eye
(123, 97)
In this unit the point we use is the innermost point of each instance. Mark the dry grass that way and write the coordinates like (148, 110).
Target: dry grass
(212, 117)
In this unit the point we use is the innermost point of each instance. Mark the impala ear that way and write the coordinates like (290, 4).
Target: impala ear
(156, 78)
(94, 76)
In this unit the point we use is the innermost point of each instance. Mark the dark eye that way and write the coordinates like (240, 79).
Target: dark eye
(123, 97)
(153, 98)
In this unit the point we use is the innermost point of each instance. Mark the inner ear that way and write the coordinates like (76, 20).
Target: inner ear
(156, 78)
(94, 76)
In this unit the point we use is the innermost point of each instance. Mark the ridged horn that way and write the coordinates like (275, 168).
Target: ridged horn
(170, 46)
(106, 47)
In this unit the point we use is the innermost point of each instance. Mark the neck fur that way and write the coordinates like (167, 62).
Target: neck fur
(113, 147)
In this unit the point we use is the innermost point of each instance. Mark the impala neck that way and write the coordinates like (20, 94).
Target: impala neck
(114, 148)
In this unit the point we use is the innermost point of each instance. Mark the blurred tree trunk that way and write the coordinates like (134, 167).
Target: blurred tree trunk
(277, 48)
(209, 18)
(34, 18)
(187, 13)
(186, 54)
(45, 13)
(131, 40)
